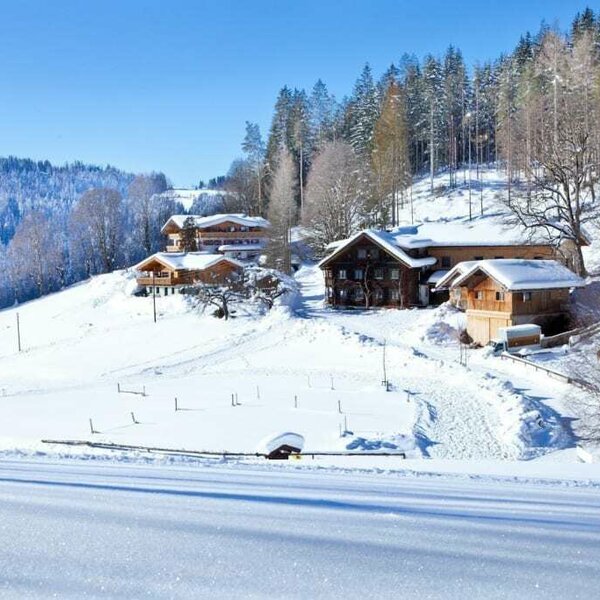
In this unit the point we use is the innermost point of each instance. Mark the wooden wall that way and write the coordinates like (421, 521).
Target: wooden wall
(463, 253)
(340, 291)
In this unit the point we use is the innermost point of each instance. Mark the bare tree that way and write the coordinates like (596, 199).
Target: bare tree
(141, 195)
(282, 212)
(35, 254)
(585, 368)
(562, 151)
(98, 216)
(335, 197)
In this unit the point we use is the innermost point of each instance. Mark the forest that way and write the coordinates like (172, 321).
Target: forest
(336, 166)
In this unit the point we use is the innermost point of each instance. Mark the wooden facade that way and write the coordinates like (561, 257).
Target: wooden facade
(167, 279)
(366, 275)
(490, 306)
(450, 256)
(210, 238)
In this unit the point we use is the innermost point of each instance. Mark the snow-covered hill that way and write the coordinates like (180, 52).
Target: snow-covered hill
(302, 368)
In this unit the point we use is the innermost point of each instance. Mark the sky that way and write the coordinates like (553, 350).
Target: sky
(168, 85)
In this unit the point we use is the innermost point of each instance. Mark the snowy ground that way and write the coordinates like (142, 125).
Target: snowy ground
(300, 368)
(81, 343)
(74, 530)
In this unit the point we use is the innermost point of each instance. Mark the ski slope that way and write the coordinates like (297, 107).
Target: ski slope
(75, 530)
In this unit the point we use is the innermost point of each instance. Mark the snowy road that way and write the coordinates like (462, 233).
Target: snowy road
(77, 530)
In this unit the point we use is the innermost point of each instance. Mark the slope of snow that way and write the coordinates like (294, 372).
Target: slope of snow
(301, 368)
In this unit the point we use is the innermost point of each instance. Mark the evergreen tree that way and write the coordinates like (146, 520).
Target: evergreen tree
(364, 110)
(188, 235)
(254, 148)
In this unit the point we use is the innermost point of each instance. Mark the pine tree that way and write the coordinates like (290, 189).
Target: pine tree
(188, 235)
(364, 112)
(254, 148)
(433, 94)
(322, 115)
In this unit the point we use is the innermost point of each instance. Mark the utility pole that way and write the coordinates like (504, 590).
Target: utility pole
(18, 333)
(470, 203)
(154, 295)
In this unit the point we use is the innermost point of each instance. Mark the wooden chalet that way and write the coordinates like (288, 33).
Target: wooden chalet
(401, 268)
(233, 235)
(166, 272)
(504, 292)
(370, 270)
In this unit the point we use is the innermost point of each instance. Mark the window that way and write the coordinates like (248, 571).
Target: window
(500, 296)
(342, 274)
(394, 294)
(526, 296)
(395, 274)
(362, 253)
(498, 257)
(374, 253)
(446, 262)
(359, 274)
(478, 258)
(479, 295)
(378, 295)
(359, 295)
(379, 273)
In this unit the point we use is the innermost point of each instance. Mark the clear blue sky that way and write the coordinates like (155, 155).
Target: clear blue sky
(167, 85)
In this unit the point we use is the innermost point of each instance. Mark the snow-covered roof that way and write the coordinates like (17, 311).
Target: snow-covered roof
(201, 222)
(189, 261)
(385, 241)
(456, 271)
(478, 232)
(240, 247)
(523, 275)
(437, 275)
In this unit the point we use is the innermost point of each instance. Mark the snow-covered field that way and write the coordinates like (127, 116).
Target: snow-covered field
(301, 368)
(491, 502)
(80, 530)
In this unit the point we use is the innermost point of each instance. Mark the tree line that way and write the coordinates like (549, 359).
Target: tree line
(63, 224)
(336, 166)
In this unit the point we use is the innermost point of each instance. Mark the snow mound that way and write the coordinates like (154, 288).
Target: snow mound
(442, 326)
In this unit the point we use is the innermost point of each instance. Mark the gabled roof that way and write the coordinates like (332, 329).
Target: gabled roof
(524, 275)
(384, 241)
(456, 271)
(201, 222)
(186, 261)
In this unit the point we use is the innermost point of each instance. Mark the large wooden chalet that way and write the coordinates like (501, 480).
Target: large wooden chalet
(501, 293)
(165, 273)
(401, 268)
(235, 235)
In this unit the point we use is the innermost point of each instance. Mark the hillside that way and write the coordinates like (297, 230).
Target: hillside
(80, 343)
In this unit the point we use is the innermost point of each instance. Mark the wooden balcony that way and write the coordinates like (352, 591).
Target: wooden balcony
(157, 280)
(231, 235)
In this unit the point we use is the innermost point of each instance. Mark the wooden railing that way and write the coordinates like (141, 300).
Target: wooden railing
(146, 279)
(231, 235)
